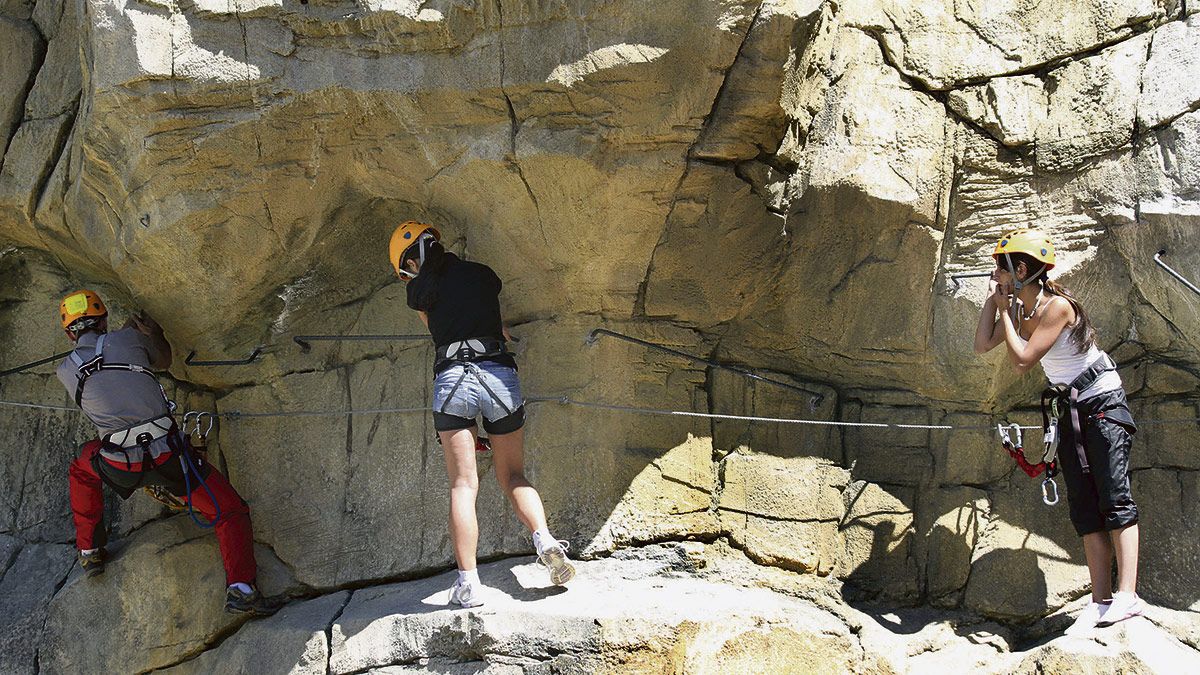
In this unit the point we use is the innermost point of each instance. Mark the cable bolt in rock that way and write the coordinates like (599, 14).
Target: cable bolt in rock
(34, 364)
(815, 401)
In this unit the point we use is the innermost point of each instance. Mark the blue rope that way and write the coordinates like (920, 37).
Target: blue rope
(185, 461)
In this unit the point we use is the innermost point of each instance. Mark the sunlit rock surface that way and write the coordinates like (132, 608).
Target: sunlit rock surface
(780, 185)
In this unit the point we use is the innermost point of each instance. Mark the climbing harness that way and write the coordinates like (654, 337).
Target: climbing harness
(86, 369)
(466, 353)
(1059, 401)
(1011, 439)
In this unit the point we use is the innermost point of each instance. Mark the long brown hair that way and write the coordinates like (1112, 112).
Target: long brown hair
(1083, 334)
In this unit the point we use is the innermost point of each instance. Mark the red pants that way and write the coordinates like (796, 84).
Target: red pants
(234, 535)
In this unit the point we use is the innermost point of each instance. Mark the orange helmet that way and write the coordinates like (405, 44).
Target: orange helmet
(81, 306)
(407, 235)
(1032, 243)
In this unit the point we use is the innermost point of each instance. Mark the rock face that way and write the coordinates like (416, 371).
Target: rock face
(688, 618)
(780, 186)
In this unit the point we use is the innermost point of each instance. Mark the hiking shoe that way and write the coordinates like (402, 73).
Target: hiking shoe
(554, 557)
(1124, 606)
(252, 603)
(1087, 619)
(93, 562)
(466, 594)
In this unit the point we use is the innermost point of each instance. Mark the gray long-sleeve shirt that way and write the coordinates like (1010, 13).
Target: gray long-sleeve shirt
(116, 399)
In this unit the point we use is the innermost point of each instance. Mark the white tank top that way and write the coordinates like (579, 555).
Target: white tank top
(1064, 362)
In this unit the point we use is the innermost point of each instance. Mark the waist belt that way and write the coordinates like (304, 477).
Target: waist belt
(139, 436)
(465, 351)
(1063, 399)
(144, 433)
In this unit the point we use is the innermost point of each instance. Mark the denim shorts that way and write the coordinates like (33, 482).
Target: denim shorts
(471, 389)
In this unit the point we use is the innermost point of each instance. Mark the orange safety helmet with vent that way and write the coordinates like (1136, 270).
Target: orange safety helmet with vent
(409, 234)
(1032, 243)
(81, 310)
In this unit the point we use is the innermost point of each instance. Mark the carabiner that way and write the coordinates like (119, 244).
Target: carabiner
(200, 417)
(1008, 433)
(188, 422)
(1049, 494)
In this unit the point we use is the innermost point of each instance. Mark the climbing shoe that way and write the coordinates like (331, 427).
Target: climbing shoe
(252, 603)
(466, 594)
(554, 557)
(1124, 606)
(92, 562)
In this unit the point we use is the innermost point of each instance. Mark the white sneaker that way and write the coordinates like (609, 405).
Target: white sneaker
(1087, 619)
(466, 594)
(554, 557)
(1124, 606)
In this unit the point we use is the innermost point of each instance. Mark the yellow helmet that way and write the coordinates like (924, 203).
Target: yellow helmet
(404, 237)
(1032, 243)
(81, 305)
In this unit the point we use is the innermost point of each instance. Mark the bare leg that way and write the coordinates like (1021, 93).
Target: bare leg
(508, 456)
(459, 447)
(1097, 548)
(1125, 541)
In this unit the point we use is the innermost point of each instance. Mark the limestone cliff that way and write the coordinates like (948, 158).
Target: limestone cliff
(785, 186)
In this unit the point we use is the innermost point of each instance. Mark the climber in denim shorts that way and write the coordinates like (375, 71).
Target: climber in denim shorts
(474, 376)
(468, 389)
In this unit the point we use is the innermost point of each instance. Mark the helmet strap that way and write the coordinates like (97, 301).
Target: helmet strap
(422, 246)
(1017, 286)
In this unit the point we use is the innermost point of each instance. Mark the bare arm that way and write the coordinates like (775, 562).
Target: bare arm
(988, 333)
(424, 318)
(1055, 319)
(156, 343)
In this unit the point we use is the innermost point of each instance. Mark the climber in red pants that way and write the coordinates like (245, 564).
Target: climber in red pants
(140, 445)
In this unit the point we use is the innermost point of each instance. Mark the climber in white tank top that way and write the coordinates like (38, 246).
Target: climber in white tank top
(1064, 362)
(1039, 321)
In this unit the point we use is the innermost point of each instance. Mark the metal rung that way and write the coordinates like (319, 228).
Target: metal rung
(39, 362)
(1158, 259)
(304, 340)
(957, 278)
(225, 362)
